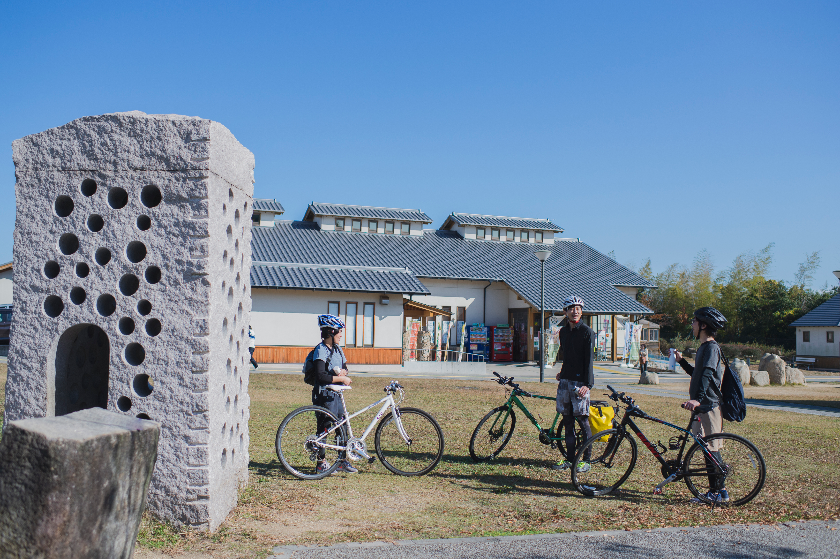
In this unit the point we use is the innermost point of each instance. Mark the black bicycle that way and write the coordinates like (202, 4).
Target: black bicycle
(738, 466)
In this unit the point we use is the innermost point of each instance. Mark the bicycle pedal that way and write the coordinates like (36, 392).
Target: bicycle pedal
(372, 459)
(657, 491)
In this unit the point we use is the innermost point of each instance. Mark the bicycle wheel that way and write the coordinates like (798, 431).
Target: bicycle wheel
(297, 442)
(610, 462)
(579, 440)
(492, 434)
(423, 450)
(744, 469)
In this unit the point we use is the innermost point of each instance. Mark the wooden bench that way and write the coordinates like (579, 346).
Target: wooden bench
(806, 360)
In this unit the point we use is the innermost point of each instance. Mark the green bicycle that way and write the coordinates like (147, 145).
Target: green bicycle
(495, 429)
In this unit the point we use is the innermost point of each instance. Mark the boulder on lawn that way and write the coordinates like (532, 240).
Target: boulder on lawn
(740, 368)
(764, 360)
(649, 378)
(775, 367)
(794, 376)
(759, 378)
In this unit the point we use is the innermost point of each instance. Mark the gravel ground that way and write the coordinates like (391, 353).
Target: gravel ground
(792, 539)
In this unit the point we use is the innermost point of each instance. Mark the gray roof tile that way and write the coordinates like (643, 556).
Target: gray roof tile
(268, 205)
(500, 221)
(573, 269)
(827, 314)
(294, 276)
(365, 211)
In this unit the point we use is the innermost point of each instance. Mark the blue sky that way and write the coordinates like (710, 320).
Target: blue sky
(648, 129)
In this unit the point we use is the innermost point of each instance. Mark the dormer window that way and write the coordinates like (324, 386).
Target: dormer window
(405, 228)
(339, 224)
(538, 237)
(372, 226)
(523, 236)
(479, 232)
(494, 234)
(509, 235)
(389, 227)
(356, 224)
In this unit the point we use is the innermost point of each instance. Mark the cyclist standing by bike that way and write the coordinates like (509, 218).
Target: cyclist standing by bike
(331, 368)
(575, 379)
(704, 390)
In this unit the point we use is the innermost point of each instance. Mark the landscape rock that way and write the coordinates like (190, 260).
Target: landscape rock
(424, 344)
(759, 378)
(794, 375)
(649, 378)
(775, 367)
(740, 367)
(75, 485)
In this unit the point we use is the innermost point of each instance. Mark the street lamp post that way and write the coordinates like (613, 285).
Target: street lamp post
(542, 256)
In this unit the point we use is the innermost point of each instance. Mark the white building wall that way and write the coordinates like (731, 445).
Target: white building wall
(818, 347)
(470, 294)
(6, 287)
(631, 291)
(287, 317)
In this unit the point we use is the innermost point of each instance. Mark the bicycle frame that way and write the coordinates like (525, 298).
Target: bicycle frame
(387, 402)
(514, 400)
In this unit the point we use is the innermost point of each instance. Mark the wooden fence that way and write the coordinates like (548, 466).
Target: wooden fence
(355, 355)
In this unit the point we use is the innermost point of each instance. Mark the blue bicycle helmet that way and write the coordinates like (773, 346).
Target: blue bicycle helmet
(330, 321)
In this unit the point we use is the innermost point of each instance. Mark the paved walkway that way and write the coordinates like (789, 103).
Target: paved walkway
(792, 539)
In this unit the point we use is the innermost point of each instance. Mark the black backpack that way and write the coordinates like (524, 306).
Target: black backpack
(310, 376)
(732, 406)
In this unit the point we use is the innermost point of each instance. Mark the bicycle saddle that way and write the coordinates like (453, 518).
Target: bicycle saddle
(338, 387)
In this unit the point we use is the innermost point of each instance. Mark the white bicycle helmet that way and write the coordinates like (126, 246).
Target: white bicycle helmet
(572, 301)
(330, 321)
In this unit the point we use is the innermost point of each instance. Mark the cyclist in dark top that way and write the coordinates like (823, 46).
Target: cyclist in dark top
(704, 389)
(575, 379)
(331, 367)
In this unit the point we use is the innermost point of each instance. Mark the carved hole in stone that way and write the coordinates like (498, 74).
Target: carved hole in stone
(230, 295)
(144, 222)
(68, 243)
(230, 341)
(106, 304)
(230, 194)
(144, 307)
(117, 198)
(235, 403)
(238, 279)
(224, 286)
(135, 252)
(124, 403)
(143, 416)
(229, 232)
(245, 207)
(51, 269)
(236, 246)
(153, 274)
(231, 264)
(63, 206)
(224, 326)
(129, 284)
(135, 354)
(81, 369)
(88, 187)
(143, 385)
(224, 390)
(227, 366)
(82, 270)
(224, 457)
(102, 256)
(150, 196)
(235, 371)
(236, 217)
(224, 429)
(239, 311)
(230, 434)
(241, 441)
(78, 295)
(153, 327)
(224, 257)
(95, 223)
(227, 404)
(53, 306)
(224, 209)
(126, 326)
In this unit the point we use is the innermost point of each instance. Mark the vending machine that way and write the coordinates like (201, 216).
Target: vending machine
(477, 341)
(501, 343)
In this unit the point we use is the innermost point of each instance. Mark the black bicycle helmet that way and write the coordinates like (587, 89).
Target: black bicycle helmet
(711, 316)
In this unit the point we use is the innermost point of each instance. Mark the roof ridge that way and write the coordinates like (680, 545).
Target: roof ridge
(371, 207)
(506, 217)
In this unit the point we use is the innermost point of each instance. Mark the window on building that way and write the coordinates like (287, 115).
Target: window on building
(523, 236)
(654, 335)
(255, 218)
(372, 226)
(494, 235)
(405, 228)
(510, 233)
(829, 336)
(389, 227)
(806, 335)
(538, 237)
(334, 308)
(644, 334)
(367, 327)
(350, 323)
(339, 224)
(356, 225)
(479, 232)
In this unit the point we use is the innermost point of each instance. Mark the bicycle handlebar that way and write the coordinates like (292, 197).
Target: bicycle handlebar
(509, 381)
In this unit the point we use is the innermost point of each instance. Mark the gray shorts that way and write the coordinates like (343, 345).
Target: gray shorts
(568, 402)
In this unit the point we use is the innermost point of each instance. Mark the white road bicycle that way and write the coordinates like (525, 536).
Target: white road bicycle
(408, 441)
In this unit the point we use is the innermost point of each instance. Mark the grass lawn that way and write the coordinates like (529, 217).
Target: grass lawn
(516, 494)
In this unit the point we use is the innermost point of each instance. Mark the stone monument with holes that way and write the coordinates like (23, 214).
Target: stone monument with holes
(132, 257)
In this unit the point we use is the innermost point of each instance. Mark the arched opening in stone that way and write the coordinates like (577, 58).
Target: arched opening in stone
(81, 369)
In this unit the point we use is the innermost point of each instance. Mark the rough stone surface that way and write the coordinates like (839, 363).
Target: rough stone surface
(649, 378)
(424, 344)
(775, 367)
(759, 378)
(794, 375)
(74, 486)
(740, 367)
(94, 325)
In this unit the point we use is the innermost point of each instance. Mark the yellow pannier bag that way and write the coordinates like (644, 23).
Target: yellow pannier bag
(600, 419)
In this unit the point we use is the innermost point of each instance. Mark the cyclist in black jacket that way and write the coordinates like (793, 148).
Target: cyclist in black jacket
(576, 378)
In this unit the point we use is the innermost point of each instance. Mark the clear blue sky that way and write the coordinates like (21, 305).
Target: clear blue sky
(649, 129)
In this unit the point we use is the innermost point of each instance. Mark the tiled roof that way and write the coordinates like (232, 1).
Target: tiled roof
(268, 205)
(573, 268)
(827, 314)
(365, 211)
(335, 278)
(500, 221)
(6, 266)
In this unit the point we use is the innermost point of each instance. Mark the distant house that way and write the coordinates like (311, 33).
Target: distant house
(818, 334)
(6, 283)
